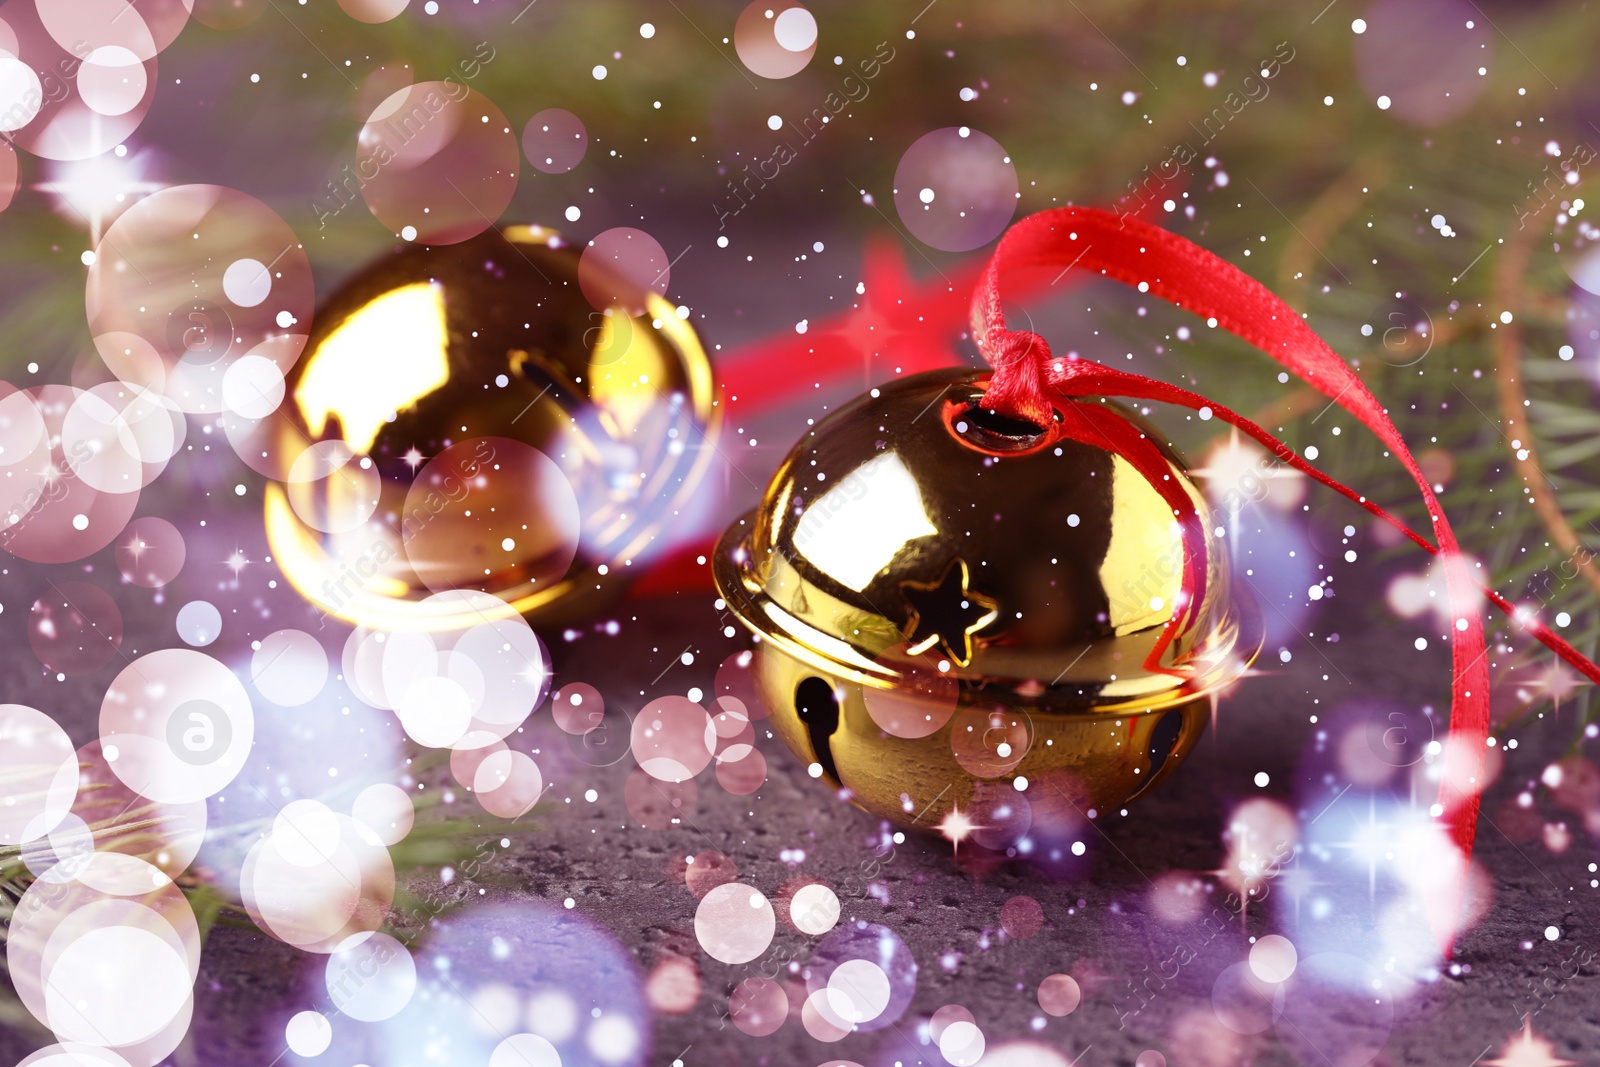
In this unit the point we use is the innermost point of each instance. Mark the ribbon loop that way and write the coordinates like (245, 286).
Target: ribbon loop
(1182, 273)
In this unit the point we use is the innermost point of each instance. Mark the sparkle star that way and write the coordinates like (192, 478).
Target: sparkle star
(1557, 682)
(237, 562)
(957, 826)
(1528, 1049)
(413, 458)
(947, 613)
(1226, 663)
(91, 191)
(1245, 469)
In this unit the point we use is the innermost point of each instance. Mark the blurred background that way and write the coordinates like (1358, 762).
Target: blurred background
(1409, 174)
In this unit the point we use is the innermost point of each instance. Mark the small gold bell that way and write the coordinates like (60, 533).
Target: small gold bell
(464, 417)
(958, 612)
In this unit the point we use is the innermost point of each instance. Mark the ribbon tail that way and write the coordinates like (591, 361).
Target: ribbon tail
(1156, 261)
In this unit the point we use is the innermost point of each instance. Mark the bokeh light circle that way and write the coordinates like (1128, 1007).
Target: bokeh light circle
(673, 739)
(112, 80)
(38, 774)
(508, 784)
(373, 11)
(289, 668)
(473, 497)
(437, 160)
(176, 726)
(758, 1006)
(362, 660)
(308, 1033)
(734, 923)
(990, 740)
(1273, 958)
(252, 386)
(118, 437)
(555, 141)
(333, 489)
(956, 189)
(919, 706)
(306, 832)
(775, 40)
(370, 977)
(317, 880)
(54, 515)
(745, 775)
(821, 1021)
(73, 1054)
(167, 836)
(944, 1016)
(577, 708)
(83, 953)
(736, 681)
(8, 170)
(21, 95)
(465, 688)
(873, 943)
(1059, 995)
(1021, 917)
(525, 1050)
(1027, 1054)
(98, 58)
(962, 1044)
(488, 973)
(621, 264)
(1243, 1002)
(435, 711)
(100, 969)
(158, 294)
(386, 810)
(674, 986)
(858, 991)
(25, 454)
(199, 623)
(467, 757)
(814, 909)
(141, 28)
(1576, 241)
(1424, 55)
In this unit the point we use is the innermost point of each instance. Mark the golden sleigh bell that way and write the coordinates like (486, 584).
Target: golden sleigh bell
(466, 418)
(956, 611)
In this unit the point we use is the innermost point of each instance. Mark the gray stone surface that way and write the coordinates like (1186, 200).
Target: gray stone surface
(622, 876)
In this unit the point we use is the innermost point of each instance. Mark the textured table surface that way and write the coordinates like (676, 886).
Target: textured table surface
(1099, 921)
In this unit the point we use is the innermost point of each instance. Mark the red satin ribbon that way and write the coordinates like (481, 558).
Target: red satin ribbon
(1030, 383)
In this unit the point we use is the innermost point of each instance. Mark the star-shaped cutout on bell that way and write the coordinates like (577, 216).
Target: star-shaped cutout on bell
(947, 613)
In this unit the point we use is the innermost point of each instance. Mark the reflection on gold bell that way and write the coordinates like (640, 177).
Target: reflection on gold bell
(464, 418)
(958, 612)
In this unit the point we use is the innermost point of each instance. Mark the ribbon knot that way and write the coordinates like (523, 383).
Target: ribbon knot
(1019, 389)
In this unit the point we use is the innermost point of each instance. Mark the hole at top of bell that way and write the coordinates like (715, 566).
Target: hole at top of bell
(990, 431)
